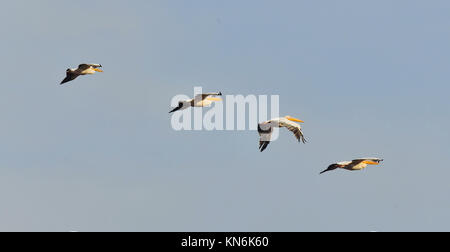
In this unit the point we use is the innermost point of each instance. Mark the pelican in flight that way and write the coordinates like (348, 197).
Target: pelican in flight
(200, 100)
(265, 130)
(356, 164)
(83, 69)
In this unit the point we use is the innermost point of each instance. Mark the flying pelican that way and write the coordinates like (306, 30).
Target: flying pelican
(356, 164)
(83, 69)
(265, 130)
(200, 100)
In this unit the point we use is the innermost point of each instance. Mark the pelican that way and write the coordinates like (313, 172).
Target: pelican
(265, 129)
(354, 165)
(200, 100)
(83, 69)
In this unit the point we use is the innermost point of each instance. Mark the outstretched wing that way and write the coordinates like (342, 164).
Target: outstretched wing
(294, 128)
(69, 77)
(265, 130)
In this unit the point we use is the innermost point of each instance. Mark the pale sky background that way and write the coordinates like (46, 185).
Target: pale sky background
(369, 78)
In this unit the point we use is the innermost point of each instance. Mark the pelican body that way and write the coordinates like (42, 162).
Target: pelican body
(265, 130)
(83, 69)
(354, 165)
(201, 100)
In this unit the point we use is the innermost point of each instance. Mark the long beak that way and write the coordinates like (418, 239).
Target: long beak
(213, 99)
(371, 162)
(327, 170)
(98, 70)
(294, 119)
(175, 109)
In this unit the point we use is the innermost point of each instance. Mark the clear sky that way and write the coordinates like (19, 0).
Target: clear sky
(369, 78)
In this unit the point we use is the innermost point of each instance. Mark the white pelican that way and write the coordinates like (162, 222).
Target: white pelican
(200, 100)
(265, 130)
(83, 69)
(354, 165)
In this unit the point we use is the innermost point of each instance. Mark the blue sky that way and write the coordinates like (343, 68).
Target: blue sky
(369, 78)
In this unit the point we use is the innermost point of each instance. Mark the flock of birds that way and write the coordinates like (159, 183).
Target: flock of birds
(265, 129)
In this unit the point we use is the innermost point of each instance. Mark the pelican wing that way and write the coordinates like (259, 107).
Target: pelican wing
(69, 77)
(265, 130)
(294, 128)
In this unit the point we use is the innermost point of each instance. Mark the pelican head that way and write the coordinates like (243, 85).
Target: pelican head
(181, 104)
(290, 118)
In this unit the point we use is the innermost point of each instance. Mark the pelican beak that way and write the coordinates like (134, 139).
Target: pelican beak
(213, 99)
(175, 109)
(294, 119)
(98, 70)
(371, 162)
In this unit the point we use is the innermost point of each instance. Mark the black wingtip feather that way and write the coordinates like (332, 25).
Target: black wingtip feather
(263, 146)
